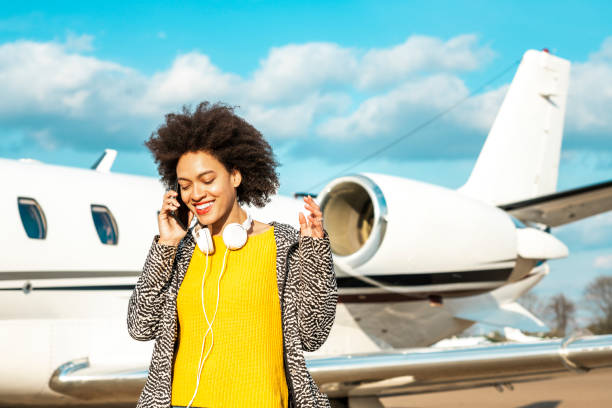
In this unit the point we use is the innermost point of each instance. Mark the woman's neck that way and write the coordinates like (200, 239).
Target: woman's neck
(236, 214)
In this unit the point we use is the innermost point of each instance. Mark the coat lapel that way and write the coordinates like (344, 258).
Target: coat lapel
(284, 241)
(184, 256)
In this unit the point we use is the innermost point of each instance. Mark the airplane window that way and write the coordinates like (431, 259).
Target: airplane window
(32, 218)
(105, 224)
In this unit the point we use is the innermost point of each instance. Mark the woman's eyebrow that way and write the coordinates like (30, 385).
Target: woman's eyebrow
(199, 175)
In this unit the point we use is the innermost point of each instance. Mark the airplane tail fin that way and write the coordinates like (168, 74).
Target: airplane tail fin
(520, 157)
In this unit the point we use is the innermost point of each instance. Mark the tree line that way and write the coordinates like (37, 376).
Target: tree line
(559, 312)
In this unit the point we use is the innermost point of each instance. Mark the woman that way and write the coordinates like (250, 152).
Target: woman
(230, 320)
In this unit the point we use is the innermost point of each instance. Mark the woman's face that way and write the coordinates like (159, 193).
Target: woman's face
(207, 188)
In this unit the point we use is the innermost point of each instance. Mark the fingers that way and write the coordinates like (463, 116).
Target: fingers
(170, 203)
(304, 229)
(313, 207)
(170, 230)
(314, 226)
(310, 201)
(315, 210)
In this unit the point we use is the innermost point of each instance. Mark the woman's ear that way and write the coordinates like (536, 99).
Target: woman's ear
(236, 178)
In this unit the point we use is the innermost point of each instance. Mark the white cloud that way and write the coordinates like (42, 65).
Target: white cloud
(191, 78)
(315, 91)
(291, 71)
(294, 120)
(590, 95)
(604, 54)
(421, 53)
(79, 43)
(46, 78)
(295, 87)
(603, 262)
(394, 112)
(479, 111)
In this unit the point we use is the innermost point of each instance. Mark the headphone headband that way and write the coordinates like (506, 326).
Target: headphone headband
(247, 223)
(234, 234)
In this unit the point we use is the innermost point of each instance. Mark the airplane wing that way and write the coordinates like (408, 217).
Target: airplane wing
(413, 371)
(365, 377)
(565, 206)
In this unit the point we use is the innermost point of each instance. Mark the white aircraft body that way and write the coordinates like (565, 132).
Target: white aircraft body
(415, 263)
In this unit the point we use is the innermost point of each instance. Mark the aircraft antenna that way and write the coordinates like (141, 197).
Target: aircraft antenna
(418, 127)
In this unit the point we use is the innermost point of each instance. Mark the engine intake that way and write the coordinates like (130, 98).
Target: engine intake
(355, 211)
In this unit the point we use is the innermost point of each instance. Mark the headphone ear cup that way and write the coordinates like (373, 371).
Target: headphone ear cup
(205, 241)
(234, 236)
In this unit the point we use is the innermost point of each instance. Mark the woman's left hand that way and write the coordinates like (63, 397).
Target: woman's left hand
(314, 226)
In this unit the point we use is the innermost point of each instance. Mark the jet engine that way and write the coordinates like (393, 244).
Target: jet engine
(390, 225)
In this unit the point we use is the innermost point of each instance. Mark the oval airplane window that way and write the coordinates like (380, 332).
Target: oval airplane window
(32, 218)
(105, 224)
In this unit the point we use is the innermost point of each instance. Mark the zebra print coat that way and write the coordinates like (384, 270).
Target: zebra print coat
(307, 292)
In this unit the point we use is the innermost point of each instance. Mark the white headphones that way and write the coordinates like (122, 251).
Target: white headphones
(234, 235)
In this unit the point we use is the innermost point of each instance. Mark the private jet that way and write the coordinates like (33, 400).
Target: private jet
(415, 263)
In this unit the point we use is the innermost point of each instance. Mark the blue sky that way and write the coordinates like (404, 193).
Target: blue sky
(81, 76)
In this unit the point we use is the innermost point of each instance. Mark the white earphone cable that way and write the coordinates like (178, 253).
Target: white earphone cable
(209, 328)
(212, 334)
(216, 305)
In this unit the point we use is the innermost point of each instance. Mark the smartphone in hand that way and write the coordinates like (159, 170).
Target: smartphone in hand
(181, 215)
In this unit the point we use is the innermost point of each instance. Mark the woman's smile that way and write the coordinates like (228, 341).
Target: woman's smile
(204, 208)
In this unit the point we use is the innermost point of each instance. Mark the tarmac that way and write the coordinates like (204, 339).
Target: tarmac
(591, 390)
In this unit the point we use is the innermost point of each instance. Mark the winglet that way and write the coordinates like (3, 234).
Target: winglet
(105, 162)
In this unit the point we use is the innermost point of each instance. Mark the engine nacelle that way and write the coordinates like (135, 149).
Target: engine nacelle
(380, 224)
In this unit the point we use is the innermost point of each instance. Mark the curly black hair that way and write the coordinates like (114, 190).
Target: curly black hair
(217, 130)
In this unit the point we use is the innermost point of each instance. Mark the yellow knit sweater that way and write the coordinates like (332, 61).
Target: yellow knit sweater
(245, 365)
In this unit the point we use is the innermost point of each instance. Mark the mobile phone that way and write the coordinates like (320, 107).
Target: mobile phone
(181, 215)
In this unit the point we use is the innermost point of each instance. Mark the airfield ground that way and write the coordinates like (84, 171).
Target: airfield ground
(591, 390)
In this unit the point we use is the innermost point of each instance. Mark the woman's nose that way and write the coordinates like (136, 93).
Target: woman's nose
(199, 191)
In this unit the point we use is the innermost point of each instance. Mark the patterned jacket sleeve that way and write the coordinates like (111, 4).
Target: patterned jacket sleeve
(145, 305)
(317, 291)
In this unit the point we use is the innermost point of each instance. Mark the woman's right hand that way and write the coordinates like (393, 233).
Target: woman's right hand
(170, 232)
